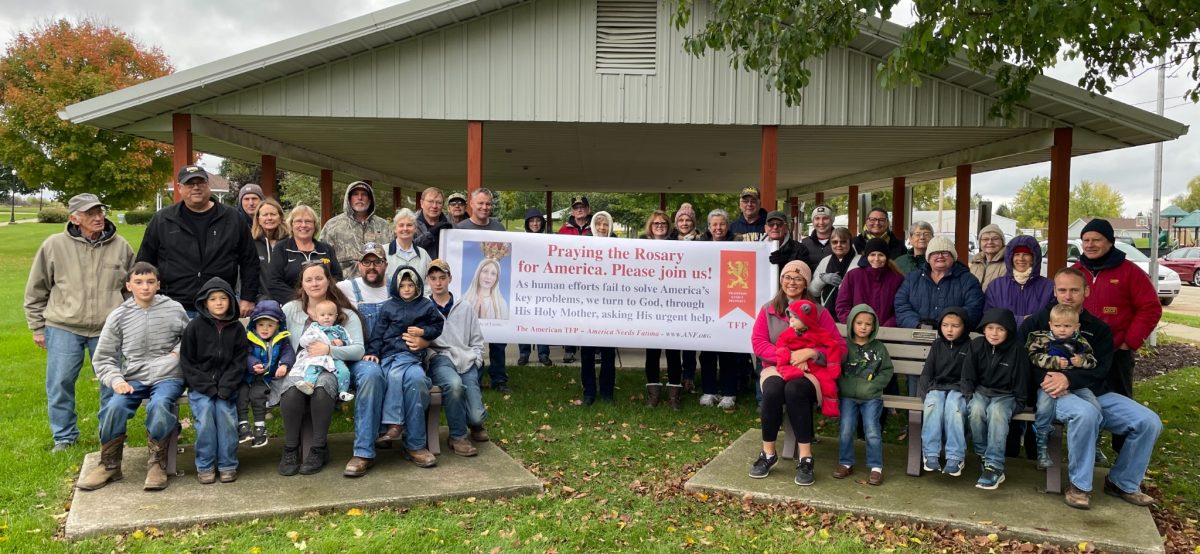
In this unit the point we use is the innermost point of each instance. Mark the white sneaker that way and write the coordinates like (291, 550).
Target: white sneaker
(728, 403)
(708, 400)
(345, 396)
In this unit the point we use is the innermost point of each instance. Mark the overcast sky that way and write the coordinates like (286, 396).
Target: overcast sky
(193, 33)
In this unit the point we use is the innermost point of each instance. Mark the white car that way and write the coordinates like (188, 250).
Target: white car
(1168, 280)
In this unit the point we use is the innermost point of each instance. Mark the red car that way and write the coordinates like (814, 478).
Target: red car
(1185, 262)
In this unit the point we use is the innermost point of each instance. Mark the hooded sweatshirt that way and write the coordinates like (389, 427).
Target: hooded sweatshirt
(943, 367)
(875, 287)
(999, 370)
(213, 352)
(272, 352)
(531, 214)
(867, 368)
(248, 188)
(146, 339)
(1023, 299)
(347, 235)
(74, 283)
(1121, 295)
(397, 315)
(461, 339)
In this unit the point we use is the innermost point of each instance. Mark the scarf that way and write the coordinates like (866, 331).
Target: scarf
(1022, 277)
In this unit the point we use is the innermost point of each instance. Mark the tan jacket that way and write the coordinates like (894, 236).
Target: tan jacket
(73, 284)
(988, 270)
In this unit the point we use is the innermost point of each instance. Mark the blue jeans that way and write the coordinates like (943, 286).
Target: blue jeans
(869, 411)
(989, 416)
(461, 397)
(1083, 426)
(524, 349)
(215, 421)
(1044, 418)
(496, 371)
(161, 420)
(944, 413)
(1141, 427)
(608, 370)
(406, 397)
(368, 405)
(64, 359)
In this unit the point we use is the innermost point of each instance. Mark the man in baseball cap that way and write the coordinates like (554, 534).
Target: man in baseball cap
(456, 205)
(580, 222)
(789, 250)
(752, 221)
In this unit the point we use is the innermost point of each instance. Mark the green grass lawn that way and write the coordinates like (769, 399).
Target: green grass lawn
(1181, 319)
(613, 473)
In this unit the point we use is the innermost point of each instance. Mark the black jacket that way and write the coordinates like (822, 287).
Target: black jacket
(896, 246)
(1097, 333)
(212, 354)
(397, 315)
(816, 250)
(943, 367)
(429, 236)
(287, 262)
(788, 251)
(1001, 370)
(170, 245)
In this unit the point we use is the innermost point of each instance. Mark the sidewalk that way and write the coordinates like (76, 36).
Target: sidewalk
(1181, 332)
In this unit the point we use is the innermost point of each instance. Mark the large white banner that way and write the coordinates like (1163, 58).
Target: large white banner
(558, 289)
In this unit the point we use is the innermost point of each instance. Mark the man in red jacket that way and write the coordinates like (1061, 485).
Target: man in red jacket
(1122, 296)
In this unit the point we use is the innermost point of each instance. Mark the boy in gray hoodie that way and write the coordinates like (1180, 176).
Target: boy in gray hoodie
(144, 331)
(456, 362)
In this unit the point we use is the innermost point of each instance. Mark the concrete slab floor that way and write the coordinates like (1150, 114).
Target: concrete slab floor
(1018, 509)
(261, 492)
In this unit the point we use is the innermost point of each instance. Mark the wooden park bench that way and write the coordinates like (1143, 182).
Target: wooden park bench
(908, 349)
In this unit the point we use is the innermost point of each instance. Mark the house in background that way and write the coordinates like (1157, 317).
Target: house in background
(1131, 228)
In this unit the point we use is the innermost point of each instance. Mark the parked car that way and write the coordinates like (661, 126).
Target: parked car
(1168, 281)
(1186, 263)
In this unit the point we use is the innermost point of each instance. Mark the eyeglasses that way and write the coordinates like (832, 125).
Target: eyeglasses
(303, 222)
(775, 223)
(942, 254)
(839, 242)
(194, 184)
(793, 279)
(877, 219)
(922, 235)
(371, 263)
(659, 224)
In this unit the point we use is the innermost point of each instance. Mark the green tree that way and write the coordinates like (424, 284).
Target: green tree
(1189, 201)
(1003, 210)
(1032, 204)
(1011, 42)
(1090, 199)
(240, 173)
(60, 63)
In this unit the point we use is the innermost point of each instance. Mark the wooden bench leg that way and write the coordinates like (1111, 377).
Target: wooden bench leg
(914, 442)
(1054, 472)
(789, 441)
(173, 447)
(433, 416)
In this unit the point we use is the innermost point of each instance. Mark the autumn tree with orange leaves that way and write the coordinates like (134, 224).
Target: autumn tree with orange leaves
(60, 63)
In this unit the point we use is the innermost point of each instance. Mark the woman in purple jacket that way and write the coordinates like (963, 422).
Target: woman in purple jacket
(1023, 289)
(874, 283)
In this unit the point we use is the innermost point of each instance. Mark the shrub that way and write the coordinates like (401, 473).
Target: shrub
(138, 217)
(52, 214)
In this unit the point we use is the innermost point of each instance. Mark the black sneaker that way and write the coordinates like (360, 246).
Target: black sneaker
(762, 466)
(244, 432)
(260, 436)
(804, 472)
(545, 360)
(569, 358)
(523, 360)
(502, 388)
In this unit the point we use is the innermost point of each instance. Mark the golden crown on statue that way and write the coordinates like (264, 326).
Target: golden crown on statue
(495, 250)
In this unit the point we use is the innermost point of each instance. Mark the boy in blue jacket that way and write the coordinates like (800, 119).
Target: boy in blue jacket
(407, 312)
(270, 355)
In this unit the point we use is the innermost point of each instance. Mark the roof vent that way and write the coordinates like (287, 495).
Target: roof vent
(626, 36)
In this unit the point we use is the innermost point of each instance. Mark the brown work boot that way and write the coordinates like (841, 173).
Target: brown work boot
(876, 478)
(463, 447)
(479, 434)
(841, 472)
(1076, 498)
(156, 467)
(673, 395)
(357, 467)
(422, 457)
(109, 468)
(1137, 498)
(653, 390)
(228, 476)
(394, 433)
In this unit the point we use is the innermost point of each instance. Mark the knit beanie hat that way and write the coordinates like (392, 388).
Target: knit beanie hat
(940, 244)
(1101, 226)
(797, 265)
(993, 228)
(685, 208)
(876, 245)
(250, 188)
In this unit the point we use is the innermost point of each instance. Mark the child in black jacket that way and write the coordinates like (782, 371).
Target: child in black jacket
(940, 390)
(212, 355)
(995, 380)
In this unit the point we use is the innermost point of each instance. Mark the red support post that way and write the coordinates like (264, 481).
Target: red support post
(769, 171)
(397, 199)
(962, 211)
(267, 180)
(820, 198)
(548, 228)
(662, 201)
(793, 211)
(474, 155)
(1060, 195)
(852, 212)
(326, 195)
(181, 134)
(899, 214)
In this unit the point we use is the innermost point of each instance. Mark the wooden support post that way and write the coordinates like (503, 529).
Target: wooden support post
(793, 211)
(181, 133)
(267, 180)
(326, 187)
(474, 156)
(819, 198)
(549, 213)
(1060, 195)
(852, 212)
(899, 211)
(962, 212)
(397, 199)
(662, 201)
(768, 172)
